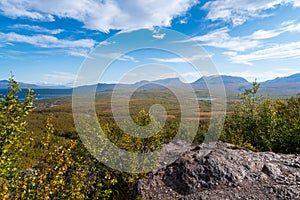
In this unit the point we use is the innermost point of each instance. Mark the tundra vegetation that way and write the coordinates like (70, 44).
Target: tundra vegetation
(42, 157)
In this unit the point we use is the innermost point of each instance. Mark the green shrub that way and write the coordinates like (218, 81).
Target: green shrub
(264, 124)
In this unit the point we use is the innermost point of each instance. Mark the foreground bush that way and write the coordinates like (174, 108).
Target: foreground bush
(63, 171)
(263, 124)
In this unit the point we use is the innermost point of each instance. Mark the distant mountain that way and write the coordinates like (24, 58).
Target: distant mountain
(283, 86)
(295, 78)
(172, 81)
(278, 87)
(161, 84)
(4, 85)
(4, 81)
(105, 87)
(227, 80)
(144, 85)
(231, 83)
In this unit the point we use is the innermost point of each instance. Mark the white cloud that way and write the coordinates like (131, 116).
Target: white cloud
(230, 53)
(115, 56)
(262, 34)
(46, 41)
(190, 77)
(279, 51)
(260, 49)
(296, 3)
(15, 8)
(130, 30)
(159, 36)
(258, 75)
(181, 60)
(290, 26)
(183, 21)
(59, 78)
(239, 11)
(36, 29)
(169, 60)
(80, 52)
(106, 43)
(100, 15)
(128, 58)
(221, 39)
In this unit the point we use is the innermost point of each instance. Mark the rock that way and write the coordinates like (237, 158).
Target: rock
(217, 171)
(271, 170)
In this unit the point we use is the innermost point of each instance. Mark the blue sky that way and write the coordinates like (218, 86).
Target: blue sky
(46, 42)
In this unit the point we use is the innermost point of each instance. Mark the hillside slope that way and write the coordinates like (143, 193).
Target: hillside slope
(283, 86)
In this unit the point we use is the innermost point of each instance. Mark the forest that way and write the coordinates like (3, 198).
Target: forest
(42, 156)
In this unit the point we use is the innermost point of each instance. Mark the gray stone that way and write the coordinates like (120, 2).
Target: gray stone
(218, 171)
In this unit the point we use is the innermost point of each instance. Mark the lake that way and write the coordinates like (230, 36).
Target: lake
(41, 93)
(50, 93)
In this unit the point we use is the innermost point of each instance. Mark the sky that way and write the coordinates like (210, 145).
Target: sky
(49, 42)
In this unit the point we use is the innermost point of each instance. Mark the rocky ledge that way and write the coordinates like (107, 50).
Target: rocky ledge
(221, 171)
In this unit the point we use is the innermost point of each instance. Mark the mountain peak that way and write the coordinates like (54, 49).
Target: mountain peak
(4, 81)
(214, 79)
(287, 79)
(169, 81)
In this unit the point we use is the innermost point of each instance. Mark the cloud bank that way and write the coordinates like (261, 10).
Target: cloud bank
(238, 12)
(100, 15)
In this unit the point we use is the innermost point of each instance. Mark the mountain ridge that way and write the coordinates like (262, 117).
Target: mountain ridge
(280, 86)
(227, 79)
(4, 84)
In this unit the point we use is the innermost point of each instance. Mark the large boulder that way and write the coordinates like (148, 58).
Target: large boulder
(221, 171)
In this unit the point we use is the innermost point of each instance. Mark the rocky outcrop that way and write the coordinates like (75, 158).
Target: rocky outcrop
(219, 171)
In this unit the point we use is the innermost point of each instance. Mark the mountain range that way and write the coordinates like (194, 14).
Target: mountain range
(279, 87)
(4, 84)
